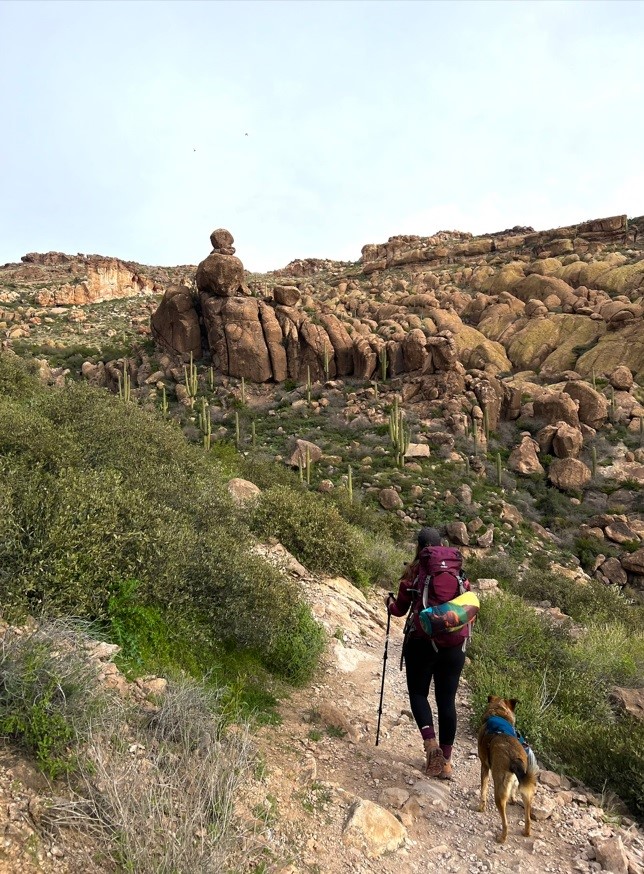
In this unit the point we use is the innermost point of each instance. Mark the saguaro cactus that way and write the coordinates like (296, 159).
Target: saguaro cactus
(125, 384)
(191, 379)
(399, 434)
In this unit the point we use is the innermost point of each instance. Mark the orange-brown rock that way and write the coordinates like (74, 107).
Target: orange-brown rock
(341, 342)
(236, 337)
(593, 406)
(287, 295)
(274, 341)
(567, 441)
(415, 354)
(569, 474)
(220, 275)
(552, 407)
(175, 324)
(524, 459)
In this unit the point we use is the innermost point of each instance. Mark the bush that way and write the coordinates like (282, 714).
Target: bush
(296, 648)
(17, 379)
(562, 685)
(94, 492)
(311, 528)
(49, 693)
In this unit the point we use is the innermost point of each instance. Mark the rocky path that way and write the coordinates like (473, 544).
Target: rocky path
(322, 761)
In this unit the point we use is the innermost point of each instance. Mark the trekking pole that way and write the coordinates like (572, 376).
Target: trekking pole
(384, 668)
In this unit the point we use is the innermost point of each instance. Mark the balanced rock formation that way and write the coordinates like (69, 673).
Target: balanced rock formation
(274, 338)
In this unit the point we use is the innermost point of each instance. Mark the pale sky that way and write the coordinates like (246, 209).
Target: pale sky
(123, 124)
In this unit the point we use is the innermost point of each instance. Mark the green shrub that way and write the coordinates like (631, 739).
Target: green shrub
(311, 528)
(18, 378)
(49, 693)
(94, 492)
(562, 685)
(296, 647)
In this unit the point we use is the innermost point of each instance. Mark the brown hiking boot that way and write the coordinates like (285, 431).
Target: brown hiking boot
(435, 760)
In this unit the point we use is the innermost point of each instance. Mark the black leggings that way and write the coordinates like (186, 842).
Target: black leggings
(422, 662)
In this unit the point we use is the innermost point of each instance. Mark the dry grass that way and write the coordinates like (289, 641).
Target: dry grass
(151, 789)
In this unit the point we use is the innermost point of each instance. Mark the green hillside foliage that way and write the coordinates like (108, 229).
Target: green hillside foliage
(562, 675)
(95, 492)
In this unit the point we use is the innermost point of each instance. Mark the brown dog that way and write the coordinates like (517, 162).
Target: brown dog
(501, 752)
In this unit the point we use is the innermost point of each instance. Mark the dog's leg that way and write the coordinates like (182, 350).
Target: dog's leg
(501, 795)
(485, 782)
(527, 793)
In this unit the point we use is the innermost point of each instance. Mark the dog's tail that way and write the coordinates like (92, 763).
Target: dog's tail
(525, 772)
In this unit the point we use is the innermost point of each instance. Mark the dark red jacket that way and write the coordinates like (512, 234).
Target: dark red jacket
(444, 587)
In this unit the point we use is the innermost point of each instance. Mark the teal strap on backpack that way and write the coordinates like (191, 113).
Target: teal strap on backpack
(451, 616)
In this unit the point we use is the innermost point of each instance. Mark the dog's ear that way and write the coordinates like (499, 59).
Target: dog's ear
(513, 703)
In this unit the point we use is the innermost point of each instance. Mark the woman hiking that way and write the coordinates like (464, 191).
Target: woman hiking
(440, 659)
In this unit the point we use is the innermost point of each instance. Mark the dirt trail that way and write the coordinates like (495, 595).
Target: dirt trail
(316, 773)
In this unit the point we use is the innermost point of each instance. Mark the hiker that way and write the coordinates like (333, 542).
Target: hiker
(440, 658)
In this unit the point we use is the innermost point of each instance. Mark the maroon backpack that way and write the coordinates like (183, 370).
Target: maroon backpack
(440, 579)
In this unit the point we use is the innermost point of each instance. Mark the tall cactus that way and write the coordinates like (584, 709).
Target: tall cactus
(211, 378)
(205, 423)
(499, 470)
(350, 484)
(243, 390)
(164, 402)
(308, 385)
(125, 383)
(325, 362)
(191, 379)
(399, 434)
(383, 363)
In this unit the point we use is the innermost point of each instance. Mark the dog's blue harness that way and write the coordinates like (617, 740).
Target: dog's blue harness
(499, 725)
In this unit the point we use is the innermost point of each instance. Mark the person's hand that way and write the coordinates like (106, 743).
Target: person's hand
(388, 598)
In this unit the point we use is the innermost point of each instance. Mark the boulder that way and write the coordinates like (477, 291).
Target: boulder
(593, 406)
(629, 701)
(621, 378)
(300, 452)
(415, 354)
(222, 241)
(175, 324)
(614, 572)
(555, 406)
(567, 441)
(634, 562)
(274, 341)
(569, 474)
(443, 351)
(365, 360)
(457, 533)
(220, 275)
(287, 295)
(622, 347)
(236, 337)
(390, 499)
(619, 531)
(611, 855)
(242, 490)
(372, 829)
(524, 459)
(417, 450)
(341, 342)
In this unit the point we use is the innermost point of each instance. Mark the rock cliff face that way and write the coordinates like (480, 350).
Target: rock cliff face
(275, 338)
(55, 279)
(552, 301)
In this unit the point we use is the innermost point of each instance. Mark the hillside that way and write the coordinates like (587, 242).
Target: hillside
(162, 429)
